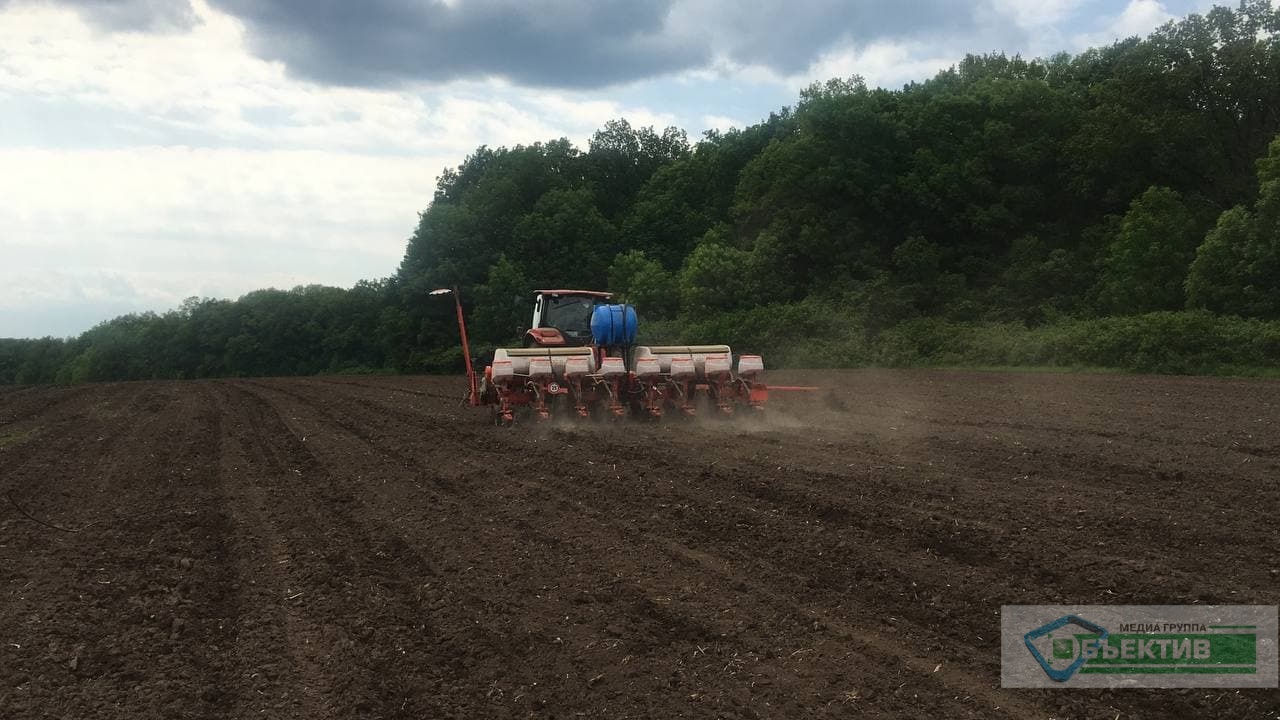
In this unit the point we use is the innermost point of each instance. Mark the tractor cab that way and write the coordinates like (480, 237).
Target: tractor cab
(562, 318)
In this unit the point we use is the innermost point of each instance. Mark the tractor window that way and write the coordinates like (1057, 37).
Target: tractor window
(570, 315)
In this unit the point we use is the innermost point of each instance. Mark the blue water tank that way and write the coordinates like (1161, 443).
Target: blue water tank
(613, 325)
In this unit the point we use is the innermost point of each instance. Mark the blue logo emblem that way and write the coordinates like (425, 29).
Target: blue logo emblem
(1063, 674)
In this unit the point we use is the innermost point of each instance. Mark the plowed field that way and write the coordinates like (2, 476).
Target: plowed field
(366, 547)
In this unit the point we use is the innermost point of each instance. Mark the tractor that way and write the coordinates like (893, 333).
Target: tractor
(562, 318)
(579, 358)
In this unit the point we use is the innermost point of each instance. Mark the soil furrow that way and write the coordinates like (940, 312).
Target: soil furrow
(368, 547)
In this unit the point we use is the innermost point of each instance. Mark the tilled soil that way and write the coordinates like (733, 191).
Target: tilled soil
(367, 547)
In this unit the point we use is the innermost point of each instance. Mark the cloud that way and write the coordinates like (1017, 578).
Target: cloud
(142, 228)
(721, 123)
(885, 64)
(787, 36)
(572, 43)
(1138, 18)
(591, 44)
(131, 15)
(1036, 13)
(561, 43)
(204, 87)
(567, 44)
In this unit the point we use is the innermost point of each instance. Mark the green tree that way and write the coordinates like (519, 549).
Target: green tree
(717, 278)
(501, 304)
(1219, 276)
(1237, 268)
(620, 159)
(644, 282)
(1145, 267)
(1039, 282)
(564, 240)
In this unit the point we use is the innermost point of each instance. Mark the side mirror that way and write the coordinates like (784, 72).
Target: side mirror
(521, 330)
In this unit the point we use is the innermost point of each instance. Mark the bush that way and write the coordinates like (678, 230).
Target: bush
(809, 334)
(1178, 342)
(1191, 342)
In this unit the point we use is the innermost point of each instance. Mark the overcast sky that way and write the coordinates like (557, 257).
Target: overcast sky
(151, 150)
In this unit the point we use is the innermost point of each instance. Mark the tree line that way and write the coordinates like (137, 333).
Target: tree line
(1129, 192)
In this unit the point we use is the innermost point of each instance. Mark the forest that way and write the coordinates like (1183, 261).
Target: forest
(1118, 208)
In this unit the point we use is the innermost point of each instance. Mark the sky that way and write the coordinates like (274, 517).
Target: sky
(152, 150)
